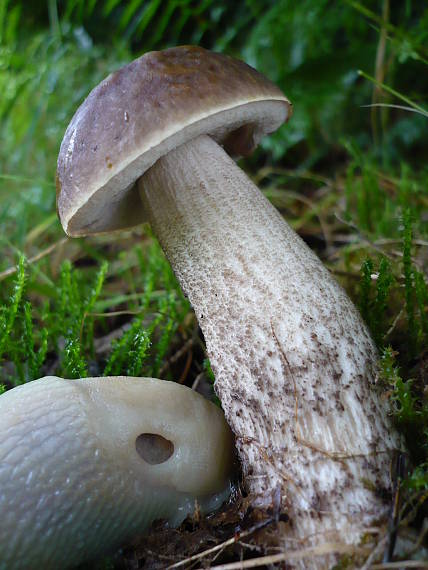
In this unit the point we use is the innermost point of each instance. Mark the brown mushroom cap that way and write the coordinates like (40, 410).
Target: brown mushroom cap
(144, 110)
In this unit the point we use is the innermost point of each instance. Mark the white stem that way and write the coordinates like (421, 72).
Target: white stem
(293, 361)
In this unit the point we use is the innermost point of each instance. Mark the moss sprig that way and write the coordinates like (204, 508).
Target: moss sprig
(10, 312)
(129, 351)
(375, 286)
(407, 237)
(409, 407)
(35, 358)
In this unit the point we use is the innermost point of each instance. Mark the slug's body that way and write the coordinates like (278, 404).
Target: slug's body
(74, 481)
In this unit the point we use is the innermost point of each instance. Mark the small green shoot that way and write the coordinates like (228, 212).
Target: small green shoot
(211, 378)
(374, 293)
(8, 317)
(410, 408)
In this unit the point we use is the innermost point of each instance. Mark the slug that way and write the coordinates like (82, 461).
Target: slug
(87, 464)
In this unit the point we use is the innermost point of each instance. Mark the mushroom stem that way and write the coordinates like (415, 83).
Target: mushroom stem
(293, 361)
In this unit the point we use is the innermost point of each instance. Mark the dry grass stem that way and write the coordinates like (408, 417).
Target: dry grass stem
(218, 547)
(12, 270)
(322, 550)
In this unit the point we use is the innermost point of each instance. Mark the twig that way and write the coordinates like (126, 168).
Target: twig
(389, 241)
(186, 368)
(307, 175)
(344, 273)
(403, 564)
(377, 550)
(177, 355)
(44, 253)
(394, 324)
(314, 210)
(400, 469)
(114, 313)
(197, 380)
(363, 237)
(380, 67)
(322, 550)
(238, 536)
(421, 537)
(402, 107)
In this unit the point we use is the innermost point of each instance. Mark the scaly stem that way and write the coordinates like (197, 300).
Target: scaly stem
(292, 358)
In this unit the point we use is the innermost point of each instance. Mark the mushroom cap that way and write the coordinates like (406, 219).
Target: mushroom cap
(144, 110)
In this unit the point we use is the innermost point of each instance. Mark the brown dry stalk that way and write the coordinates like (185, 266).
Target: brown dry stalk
(12, 270)
(322, 550)
(235, 538)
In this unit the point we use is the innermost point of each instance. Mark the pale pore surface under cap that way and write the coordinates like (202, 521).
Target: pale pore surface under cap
(71, 481)
(293, 361)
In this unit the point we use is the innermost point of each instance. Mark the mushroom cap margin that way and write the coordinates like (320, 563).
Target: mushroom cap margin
(144, 110)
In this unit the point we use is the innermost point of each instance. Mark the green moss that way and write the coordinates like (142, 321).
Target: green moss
(129, 352)
(375, 286)
(9, 312)
(409, 405)
(409, 279)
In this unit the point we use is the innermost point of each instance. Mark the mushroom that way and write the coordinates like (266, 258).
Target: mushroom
(87, 464)
(295, 365)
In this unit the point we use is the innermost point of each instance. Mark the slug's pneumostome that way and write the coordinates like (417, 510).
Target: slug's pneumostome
(87, 464)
